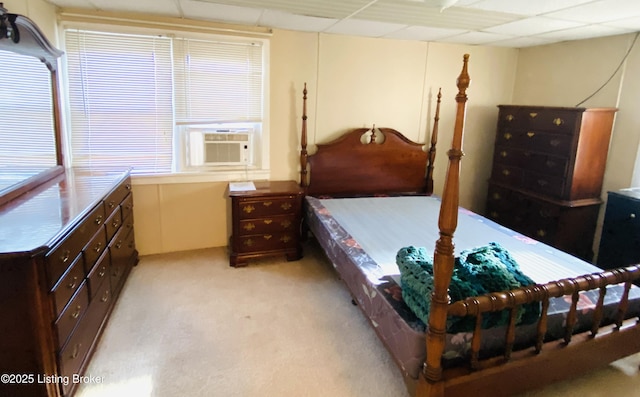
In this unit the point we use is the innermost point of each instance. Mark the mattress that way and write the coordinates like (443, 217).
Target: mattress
(361, 237)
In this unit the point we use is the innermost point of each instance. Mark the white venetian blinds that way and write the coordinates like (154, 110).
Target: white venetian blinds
(120, 100)
(27, 135)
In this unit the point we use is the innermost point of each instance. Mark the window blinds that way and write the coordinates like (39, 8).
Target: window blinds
(27, 132)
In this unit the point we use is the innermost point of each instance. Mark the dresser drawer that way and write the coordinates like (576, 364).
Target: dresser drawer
(545, 184)
(507, 174)
(269, 224)
(113, 223)
(127, 207)
(61, 256)
(122, 250)
(99, 273)
(68, 285)
(72, 314)
(268, 206)
(113, 200)
(94, 249)
(546, 164)
(266, 242)
(546, 119)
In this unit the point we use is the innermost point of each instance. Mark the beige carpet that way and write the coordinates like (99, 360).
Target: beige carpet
(187, 324)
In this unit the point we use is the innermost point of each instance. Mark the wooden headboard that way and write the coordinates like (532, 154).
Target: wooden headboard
(367, 161)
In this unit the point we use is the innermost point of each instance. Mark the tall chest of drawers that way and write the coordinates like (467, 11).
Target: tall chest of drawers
(66, 249)
(266, 221)
(547, 174)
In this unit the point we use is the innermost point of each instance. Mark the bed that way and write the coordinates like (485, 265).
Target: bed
(369, 195)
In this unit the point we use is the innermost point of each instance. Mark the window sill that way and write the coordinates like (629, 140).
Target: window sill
(200, 177)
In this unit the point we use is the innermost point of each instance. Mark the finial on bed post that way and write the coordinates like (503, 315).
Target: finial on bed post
(303, 140)
(444, 252)
(432, 149)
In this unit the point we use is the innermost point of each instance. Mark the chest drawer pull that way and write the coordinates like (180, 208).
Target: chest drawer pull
(533, 115)
(285, 239)
(558, 121)
(496, 196)
(506, 172)
(76, 314)
(494, 214)
(105, 297)
(98, 247)
(248, 242)
(285, 206)
(509, 117)
(531, 134)
(267, 236)
(249, 226)
(248, 209)
(111, 204)
(76, 351)
(267, 203)
(542, 182)
(285, 224)
(554, 142)
(99, 220)
(74, 283)
(65, 256)
(507, 136)
(103, 271)
(503, 154)
(541, 233)
(632, 216)
(268, 221)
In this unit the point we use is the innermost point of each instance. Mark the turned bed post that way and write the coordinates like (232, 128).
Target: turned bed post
(433, 385)
(303, 140)
(432, 149)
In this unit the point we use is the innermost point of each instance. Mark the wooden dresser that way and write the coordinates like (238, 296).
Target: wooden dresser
(66, 249)
(620, 240)
(547, 173)
(266, 221)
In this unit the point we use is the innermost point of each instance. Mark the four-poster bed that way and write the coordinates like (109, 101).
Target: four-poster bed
(587, 319)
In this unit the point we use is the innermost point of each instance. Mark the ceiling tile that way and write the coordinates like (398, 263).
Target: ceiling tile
(632, 23)
(285, 20)
(325, 9)
(220, 12)
(520, 42)
(583, 32)
(157, 7)
(600, 11)
(526, 7)
(360, 27)
(531, 26)
(423, 33)
(476, 38)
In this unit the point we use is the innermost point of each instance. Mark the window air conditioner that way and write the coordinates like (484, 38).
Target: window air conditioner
(223, 146)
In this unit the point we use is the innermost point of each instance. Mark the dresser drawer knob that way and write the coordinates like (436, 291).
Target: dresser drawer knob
(268, 221)
(286, 206)
(105, 297)
(248, 242)
(249, 226)
(285, 224)
(509, 117)
(533, 115)
(542, 182)
(285, 239)
(496, 196)
(632, 216)
(541, 233)
(551, 164)
(73, 284)
(267, 203)
(503, 154)
(102, 272)
(99, 220)
(66, 254)
(98, 247)
(558, 121)
(554, 142)
(76, 351)
(507, 136)
(267, 236)
(494, 214)
(506, 172)
(248, 209)
(111, 204)
(531, 134)
(76, 314)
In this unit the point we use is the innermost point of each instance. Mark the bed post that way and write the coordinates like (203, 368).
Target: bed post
(432, 385)
(432, 149)
(303, 140)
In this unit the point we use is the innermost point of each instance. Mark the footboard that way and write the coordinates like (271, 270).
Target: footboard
(516, 371)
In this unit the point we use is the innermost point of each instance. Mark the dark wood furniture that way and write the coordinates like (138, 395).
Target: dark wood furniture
(620, 239)
(266, 221)
(548, 168)
(514, 371)
(66, 249)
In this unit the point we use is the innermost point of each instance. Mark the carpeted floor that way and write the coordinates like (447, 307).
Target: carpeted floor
(187, 324)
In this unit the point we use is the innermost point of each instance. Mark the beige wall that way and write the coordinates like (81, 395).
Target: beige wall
(565, 74)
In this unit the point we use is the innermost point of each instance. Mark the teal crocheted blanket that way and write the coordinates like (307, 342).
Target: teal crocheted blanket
(477, 271)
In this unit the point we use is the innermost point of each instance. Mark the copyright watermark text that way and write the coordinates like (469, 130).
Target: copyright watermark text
(17, 379)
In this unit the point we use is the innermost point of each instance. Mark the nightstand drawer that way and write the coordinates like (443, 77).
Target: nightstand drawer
(269, 224)
(268, 206)
(266, 242)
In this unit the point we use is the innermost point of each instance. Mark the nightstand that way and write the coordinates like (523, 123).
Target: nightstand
(266, 221)
(620, 240)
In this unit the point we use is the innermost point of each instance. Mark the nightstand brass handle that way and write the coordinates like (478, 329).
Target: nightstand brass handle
(248, 209)
(531, 134)
(249, 226)
(285, 206)
(558, 121)
(267, 203)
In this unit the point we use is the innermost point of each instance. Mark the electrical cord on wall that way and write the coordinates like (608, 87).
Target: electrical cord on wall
(614, 72)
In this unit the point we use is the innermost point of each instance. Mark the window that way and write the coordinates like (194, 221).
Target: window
(27, 132)
(136, 100)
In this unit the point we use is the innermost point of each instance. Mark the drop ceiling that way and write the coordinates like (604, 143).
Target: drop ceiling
(507, 23)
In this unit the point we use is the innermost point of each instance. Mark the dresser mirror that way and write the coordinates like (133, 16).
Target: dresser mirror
(19, 37)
